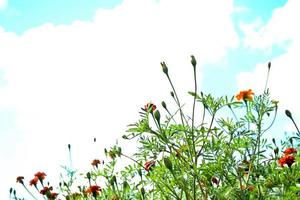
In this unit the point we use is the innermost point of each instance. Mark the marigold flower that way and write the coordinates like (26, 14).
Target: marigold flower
(40, 175)
(34, 181)
(96, 162)
(94, 190)
(286, 159)
(245, 95)
(290, 151)
(150, 107)
(20, 179)
(53, 195)
(45, 190)
(148, 165)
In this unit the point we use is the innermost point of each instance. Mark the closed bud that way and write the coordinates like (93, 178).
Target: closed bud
(288, 113)
(291, 141)
(276, 150)
(164, 67)
(157, 115)
(10, 190)
(164, 105)
(172, 94)
(125, 184)
(143, 192)
(88, 175)
(168, 164)
(273, 140)
(193, 61)
(69, 146)
(269, 65)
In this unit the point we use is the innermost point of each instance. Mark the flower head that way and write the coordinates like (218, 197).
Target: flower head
(246, 95)
(94, 190)
(148, 165)
(290, 151)
(20, 179)
(96, 162)
(286, 159)
(33, 181)
(45, 190)
(150, 107)
(40, 175)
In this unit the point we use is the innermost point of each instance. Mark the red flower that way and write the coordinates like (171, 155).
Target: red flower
(148, 165)
(96, 162)
(245, 95)
(45, 190)
(34, 181)
(94, 190)
(286, 159)
(20, 179)
(290, 151)
(150, 107)
(40, 175)
(53, 195)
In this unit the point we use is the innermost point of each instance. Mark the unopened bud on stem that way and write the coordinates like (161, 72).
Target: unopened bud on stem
(164, 67)
(193, 61)
(288, 113)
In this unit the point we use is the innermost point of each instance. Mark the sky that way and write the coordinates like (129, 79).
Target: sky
(74, 70)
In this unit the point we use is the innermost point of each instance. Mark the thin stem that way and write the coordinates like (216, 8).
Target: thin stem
(29, 191)
(193, 121)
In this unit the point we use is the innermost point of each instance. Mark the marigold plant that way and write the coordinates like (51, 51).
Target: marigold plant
(224, 154)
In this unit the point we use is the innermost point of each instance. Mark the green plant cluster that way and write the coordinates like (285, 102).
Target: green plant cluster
(225, 154)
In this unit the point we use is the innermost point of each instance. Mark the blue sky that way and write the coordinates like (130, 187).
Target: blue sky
(67, 68)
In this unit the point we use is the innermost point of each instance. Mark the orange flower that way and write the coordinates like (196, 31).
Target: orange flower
(286, 159)
(34, 181)
(150, 107)
(96, 162)
(94, 190)
(245, 95)
(40, 175)
(20, 179)
(148, 165)
(290, 151)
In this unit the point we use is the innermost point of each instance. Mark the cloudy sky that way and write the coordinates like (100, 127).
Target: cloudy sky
(73, 70)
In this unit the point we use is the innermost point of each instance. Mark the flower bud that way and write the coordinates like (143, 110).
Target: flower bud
(273, 140)
(168, 163)
(164, 105)
(193, 61)
(288, 113)
(88, 175)
(172, 94)
(125, 184)
(276, 150)
(269, 65)
(157, 115)
(164, 67)
(143, 192)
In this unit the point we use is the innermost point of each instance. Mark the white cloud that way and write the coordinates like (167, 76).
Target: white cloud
(68, 84)
(285, 70)
(280, 28)
(3, 4)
